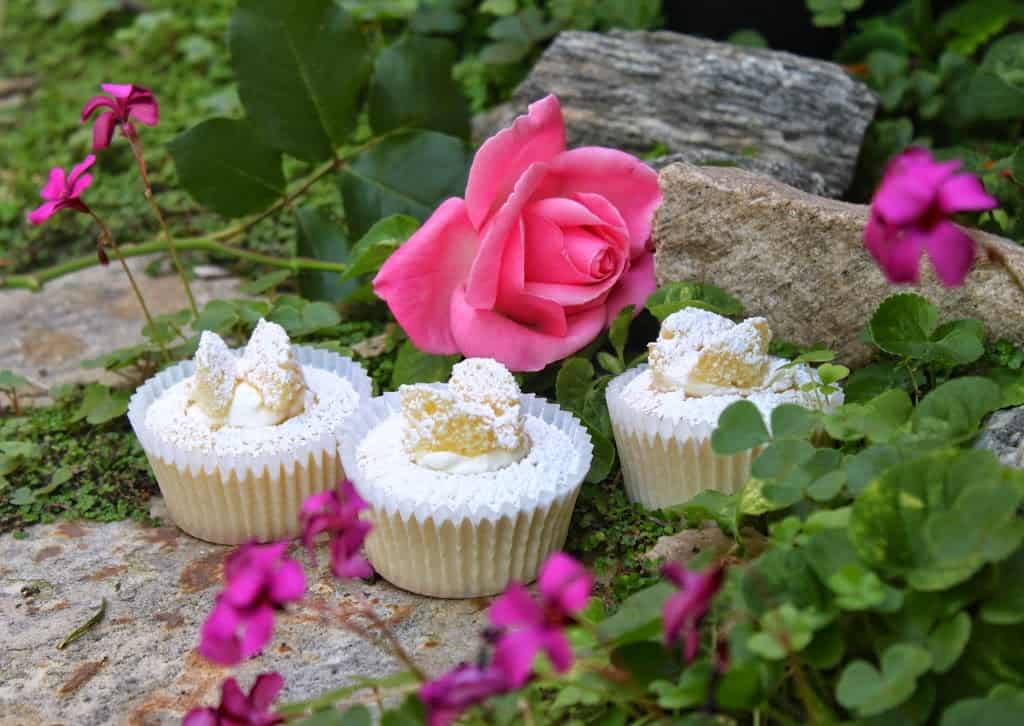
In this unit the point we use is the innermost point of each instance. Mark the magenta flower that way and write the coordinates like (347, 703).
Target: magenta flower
(337, 512)
(260, 579)
(237, 709)
(460, 688)
(683, 611)
(534, 627)
(126, 102)
(63, 192)
(910, 215)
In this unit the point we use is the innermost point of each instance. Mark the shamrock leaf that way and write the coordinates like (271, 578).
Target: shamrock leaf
(868, 691)
(786, 630)
(740, 427)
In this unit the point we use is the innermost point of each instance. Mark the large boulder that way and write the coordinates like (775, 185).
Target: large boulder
(799, 259)
(798, 119)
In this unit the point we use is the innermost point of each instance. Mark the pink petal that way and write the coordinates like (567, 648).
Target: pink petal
(484, 275)
(565, 581)
(233, 699)
(515, 607)
(419, 278)
(546, 258)
(43, 212)
(81, 184)
(965, 193)
(610, 217)
(244, 587)
(118, 90)
(200, 717)
(674, 614)
(54, 188)
(558, 650)
(951, 251)
(627, 183)
(94, 103)
(145, 110)
(592, 255)
(288, 583)
(536, 313)
(103, 130)
(534, 138)
(900, 257)
(265, 689)
(635, 285)
(259, 627)
(563, 212)
(486, 334)
(515, 653)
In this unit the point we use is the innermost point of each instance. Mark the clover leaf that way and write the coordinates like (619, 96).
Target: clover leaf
(786, 630)
(675, 296)
(869, 691)
(740, 427)
(907, 325)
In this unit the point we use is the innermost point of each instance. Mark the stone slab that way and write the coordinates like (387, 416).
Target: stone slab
(47, 334)
(138, 667)
(798, 119)
(799, 259)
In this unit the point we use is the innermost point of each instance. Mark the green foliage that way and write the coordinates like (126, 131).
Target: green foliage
(678, 295)
(830, 13)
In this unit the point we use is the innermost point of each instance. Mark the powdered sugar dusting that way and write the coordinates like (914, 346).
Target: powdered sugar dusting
(387, 473)
(214, 382)
(268, 366)
(329, 400)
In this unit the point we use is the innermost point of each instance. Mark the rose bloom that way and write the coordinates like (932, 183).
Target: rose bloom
(546, 249)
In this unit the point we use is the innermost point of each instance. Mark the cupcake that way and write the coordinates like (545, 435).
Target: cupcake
(471, 484)
(237, 440)
(663, 413)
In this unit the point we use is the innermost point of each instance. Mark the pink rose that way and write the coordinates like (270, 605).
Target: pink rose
(542, 254)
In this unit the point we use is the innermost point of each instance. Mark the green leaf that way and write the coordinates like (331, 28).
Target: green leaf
(610, 363)
(678, 295)
(792, 421)
(410, 713)
(786, 630)
(301, 68)
(907, 325)
(9, 380)
(265, 282)
(101, 404)
(645, 661)
(868, 691)
(406, 173)
(638, 618)
(604, 455)
(948, 640)
(415, 366)
(383, 238)
(955, 409)
(691, 690)
(857, 588)
(320, 237)
(740, 427)
(218, 316)
(412, 87)
(1005, 606)
(618, 333)
(317, 316)
(574, 381)
(881, 419)
(992, 711)
(227, 167)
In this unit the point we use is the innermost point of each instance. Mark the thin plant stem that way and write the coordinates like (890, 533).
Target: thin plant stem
(133, 141)
(131, 278)
(392, 642)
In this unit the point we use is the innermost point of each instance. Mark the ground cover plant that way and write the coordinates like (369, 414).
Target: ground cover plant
(875, 579)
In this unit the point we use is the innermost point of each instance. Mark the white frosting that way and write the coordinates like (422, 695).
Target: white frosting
(387, 476)
(452, 463)
(247, 409)
(175, 419)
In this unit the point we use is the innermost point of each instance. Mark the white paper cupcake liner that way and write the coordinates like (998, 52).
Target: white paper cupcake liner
(664, 462)
(230, 499)
(473, 550)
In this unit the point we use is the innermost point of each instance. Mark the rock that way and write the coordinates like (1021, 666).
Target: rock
(799, 119)
(799, 259)
(139, 665)
(684, 546)
(1003, 433)
(47, 334)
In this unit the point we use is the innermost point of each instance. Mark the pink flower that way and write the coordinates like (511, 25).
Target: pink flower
(125, 103)
(63, 192)
(533, 627)
(542, 254)
(337, 512)
(260, 579)
(237, 709)
(459, 689)
(910, 215)
(683, 611)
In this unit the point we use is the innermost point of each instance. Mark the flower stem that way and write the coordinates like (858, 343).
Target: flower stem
(133, 141)
(105, 231)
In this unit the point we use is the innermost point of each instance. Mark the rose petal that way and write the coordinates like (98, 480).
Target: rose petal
(951, 251)
(563, 212)
(634, 287)
(534, 138)
(419, 278)
(627, 183)
(536, 313)
(43, 212)
(484, 276)
(965, 193)
(515, 607)
(546, 258)
(483, 333)
(54, 188)
(103, 130)
(515, 653)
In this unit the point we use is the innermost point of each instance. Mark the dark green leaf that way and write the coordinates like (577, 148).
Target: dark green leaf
(301, 68)
(265, 282)
(992, 711)
(383, 238)
(412, 87)
(320, 237)
(407, 173)
(415, 366)
(646, 661)
(955, 409)
(678, 295)
(575, 379)
(792, 421)
(903, 325)
(638, 618)
(225, 166)
(9, 379)
(618, 333)
(740, 427)
(869, 691)
(1006, 604)
(948, 640)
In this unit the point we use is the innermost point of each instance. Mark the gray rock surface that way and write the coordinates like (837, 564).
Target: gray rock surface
(798, 119)
(799, 259)
(1003, 433)
(138, 666)
(48, 334)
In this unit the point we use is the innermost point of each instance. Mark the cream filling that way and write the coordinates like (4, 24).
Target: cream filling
(452, 463)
